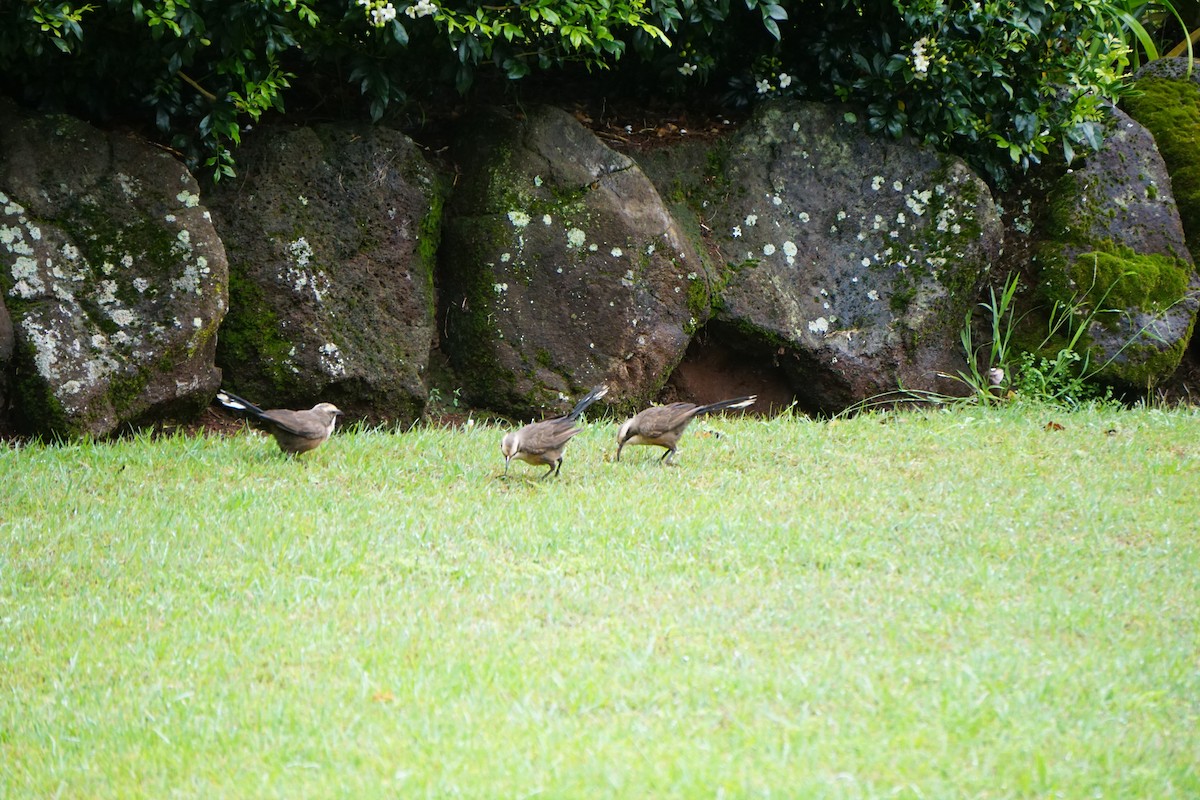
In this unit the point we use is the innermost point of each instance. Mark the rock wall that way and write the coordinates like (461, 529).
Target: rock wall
(798, 257)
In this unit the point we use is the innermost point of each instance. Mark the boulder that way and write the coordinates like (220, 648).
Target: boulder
(853, 260)
(1112, 247)
(332, 234)
(562, 268)
(113, 276)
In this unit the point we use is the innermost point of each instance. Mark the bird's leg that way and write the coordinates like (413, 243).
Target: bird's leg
(553, 469)
(666, 457)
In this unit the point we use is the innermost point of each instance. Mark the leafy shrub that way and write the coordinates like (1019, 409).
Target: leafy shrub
(1002, 82)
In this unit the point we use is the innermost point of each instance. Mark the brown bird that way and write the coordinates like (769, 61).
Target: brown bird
(663, 425)
(295, 431)
(543, 442)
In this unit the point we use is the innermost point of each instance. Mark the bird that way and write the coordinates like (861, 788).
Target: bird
(295, 431)
(663, 425)
(543, 442)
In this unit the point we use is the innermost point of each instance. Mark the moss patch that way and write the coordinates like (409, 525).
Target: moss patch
(250, 333)
(1121, 279)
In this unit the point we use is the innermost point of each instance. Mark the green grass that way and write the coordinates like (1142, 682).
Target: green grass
(957, 604)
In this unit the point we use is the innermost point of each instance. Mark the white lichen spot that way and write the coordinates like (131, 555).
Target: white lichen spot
(768, 249)
(790, 249)
(819, 326)
(546, 219)
(127, 261)
(650, 249)
(593, 247)
(188, 199)
(537, 180)
(304, 201)
(872, 295)
(505, 257)
(123, 317)
(499, 288)
(877, 183)
(617, 252)
(898, 186)
(627, 281)
(331, 359)
(300, 250)
(70, 252)
(576, 238)
(169, 218)
(141, 284)
(803, 216)
(27, 282)
(519, 219)
(866, 262)
(777, 200)
(197, 323)
(751, 220)
(692, 276)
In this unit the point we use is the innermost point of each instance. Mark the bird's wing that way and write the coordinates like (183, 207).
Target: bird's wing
(304, 424)
(654, 422)
(541, 437)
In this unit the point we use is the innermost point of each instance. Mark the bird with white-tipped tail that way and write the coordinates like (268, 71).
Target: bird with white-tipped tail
(295, 431)
(663, 425)
(542, 443)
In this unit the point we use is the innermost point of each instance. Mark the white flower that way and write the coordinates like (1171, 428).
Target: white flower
(422, 9)
(687, 69)
(382, 16)
(919, 60)
(785, 80)
(763, 86)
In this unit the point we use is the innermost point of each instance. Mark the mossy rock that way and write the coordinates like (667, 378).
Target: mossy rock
(333, 235)
(1170, 110)
(1111, 251)
(562, 268)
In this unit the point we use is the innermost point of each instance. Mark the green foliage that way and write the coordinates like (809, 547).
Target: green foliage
(1003, 82)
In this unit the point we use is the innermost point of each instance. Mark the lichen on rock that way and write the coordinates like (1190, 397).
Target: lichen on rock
(112, 273)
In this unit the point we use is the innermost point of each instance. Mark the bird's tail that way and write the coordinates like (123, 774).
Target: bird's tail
(232, 401)
(588, 399)
(737, 402)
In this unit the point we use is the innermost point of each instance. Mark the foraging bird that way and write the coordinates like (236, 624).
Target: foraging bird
(663, 425)
(295, 431)
(543, 442)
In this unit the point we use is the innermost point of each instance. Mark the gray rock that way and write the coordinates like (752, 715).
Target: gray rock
(1112, 246)
(332, 234)
(562, 268)
(856, 257)
(112, 273)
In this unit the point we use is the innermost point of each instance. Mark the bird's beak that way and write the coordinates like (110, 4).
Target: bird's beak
(619, 446)
(506, 460)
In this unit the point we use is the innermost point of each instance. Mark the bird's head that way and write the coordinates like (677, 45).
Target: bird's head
(508, 447)
(329, 411)
(623, 435)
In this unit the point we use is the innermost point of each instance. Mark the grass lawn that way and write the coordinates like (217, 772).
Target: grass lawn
(954, 604)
